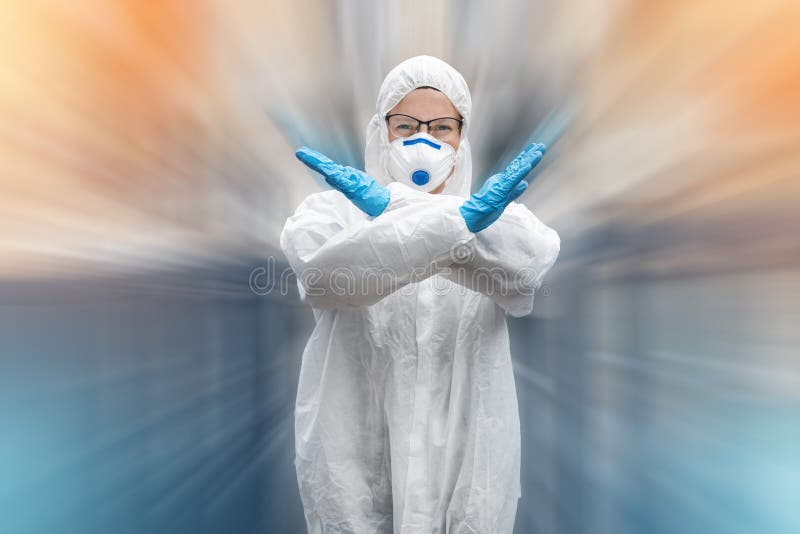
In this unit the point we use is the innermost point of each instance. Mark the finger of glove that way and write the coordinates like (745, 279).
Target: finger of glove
(527, 152)
(530, 152)
(521, 166)
(318, 162)
(518, 190)
(519, 169)
(513, 175)
(496, 188)
(533, 147)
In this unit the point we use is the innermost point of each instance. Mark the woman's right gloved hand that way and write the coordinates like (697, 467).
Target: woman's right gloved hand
(486, 206)
(362, 190)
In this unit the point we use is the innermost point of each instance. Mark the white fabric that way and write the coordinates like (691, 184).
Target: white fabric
(406, 418)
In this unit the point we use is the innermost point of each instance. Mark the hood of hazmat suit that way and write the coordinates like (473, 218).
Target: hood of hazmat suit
(406, 417)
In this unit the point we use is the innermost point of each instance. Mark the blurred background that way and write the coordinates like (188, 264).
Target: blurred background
(149, 350)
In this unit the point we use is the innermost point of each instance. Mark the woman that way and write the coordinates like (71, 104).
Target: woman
(406, 418)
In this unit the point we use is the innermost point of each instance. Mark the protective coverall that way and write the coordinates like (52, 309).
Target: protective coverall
(406, 418)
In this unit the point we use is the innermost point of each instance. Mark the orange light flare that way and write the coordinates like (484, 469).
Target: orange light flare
(104, 120)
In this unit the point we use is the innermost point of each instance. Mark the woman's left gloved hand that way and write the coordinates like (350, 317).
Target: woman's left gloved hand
(486, 206)
(367, 194)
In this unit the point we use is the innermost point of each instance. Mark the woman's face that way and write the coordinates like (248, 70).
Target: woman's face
(426, 104)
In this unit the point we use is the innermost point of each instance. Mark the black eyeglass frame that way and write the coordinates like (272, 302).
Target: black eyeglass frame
(426, 123)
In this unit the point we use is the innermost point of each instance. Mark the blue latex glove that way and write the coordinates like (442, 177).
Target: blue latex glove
(485, 206)
(368, 195)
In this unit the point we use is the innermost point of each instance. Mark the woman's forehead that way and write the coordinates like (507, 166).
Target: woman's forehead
(425, 104)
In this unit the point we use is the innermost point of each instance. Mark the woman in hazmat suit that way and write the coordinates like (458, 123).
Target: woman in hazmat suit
(406, 418)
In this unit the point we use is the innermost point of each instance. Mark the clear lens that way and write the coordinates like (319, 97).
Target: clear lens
(403, 126)
(444, 128)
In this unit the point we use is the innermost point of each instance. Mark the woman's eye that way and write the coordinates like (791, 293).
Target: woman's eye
(442, 128)
(404, 127)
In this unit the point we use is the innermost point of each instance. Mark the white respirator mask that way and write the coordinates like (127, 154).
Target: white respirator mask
(420, 161)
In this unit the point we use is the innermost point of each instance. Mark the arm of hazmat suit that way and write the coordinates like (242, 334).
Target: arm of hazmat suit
(342, 258)
(513, 249)
(508, 259)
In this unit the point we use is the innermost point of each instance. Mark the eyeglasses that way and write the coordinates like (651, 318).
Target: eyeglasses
(443, 128)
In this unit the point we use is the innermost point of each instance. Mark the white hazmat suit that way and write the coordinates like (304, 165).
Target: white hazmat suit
(406, 418)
